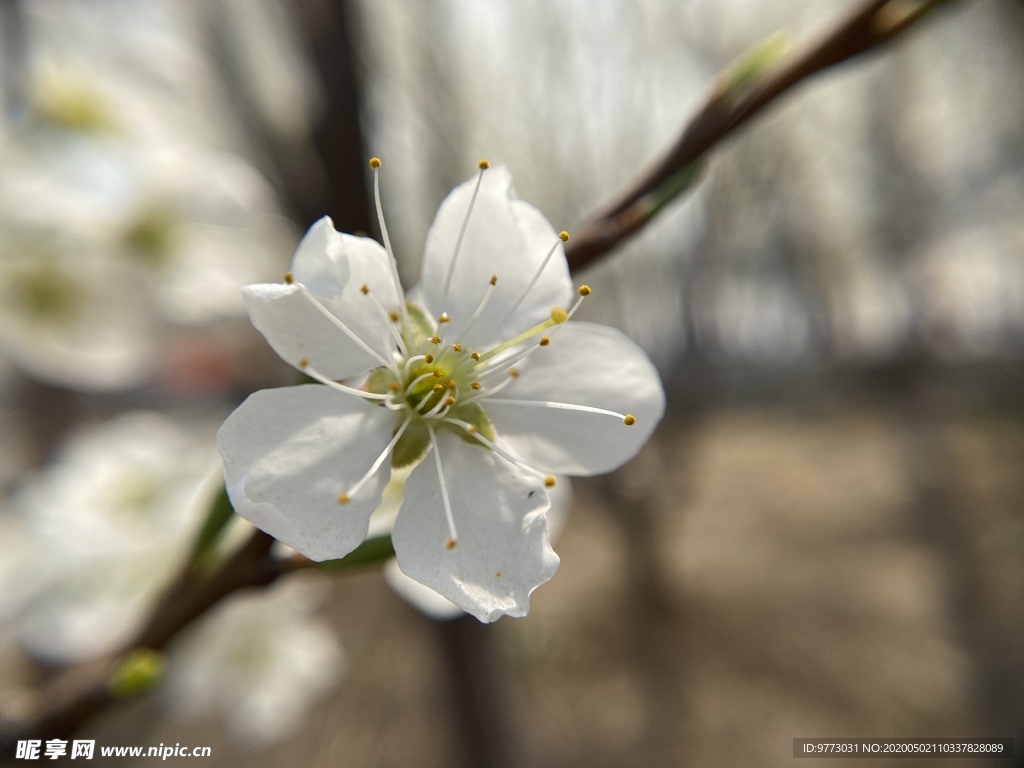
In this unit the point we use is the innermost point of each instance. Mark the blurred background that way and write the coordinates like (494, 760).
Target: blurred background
(825, 537)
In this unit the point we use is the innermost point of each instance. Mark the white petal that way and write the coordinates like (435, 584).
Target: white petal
(504, 237)
(301, 326)
(289, 453)
(318, 262)
(503, 552)
(588, 365)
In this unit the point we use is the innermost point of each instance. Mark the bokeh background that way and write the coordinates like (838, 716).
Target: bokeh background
(824, 538)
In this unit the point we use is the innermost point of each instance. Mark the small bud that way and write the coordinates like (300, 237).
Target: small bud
(139, 670)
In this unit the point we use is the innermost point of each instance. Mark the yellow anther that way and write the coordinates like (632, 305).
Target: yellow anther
(558, 315)
(394, 316)
(497, 574)
(513, 372)
(549, 482)
(585, 290)
(303, 362)
(343, 498)
(364, 289)
(428, 359)
(435, 339)
(289, 278)
(375, 162)
(563, 236)
(629, 420)
(439, 373)
(471, 429)
(449, 401)
(443, 318)
(475, 355)
(457, 347)
(450, 384)
(544, 341)
(393, 386)
(451, 544)
(438, 388)
(475, 385)
(494, 279)
(483, 165)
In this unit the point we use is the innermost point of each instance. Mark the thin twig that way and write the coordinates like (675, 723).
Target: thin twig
(872, 24)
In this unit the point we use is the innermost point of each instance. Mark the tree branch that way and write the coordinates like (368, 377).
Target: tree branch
(871, 25)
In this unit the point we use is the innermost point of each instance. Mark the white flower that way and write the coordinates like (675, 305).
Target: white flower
(108, 524)
(480, 376)
(261, 658)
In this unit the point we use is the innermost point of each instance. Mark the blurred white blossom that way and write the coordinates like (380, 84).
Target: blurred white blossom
(261, 660)
(101, 531)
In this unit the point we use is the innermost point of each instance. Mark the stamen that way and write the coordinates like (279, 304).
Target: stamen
(388, 319)
(428, 359)
(376, 465)
(375, 164)
(289, 278)
(484, 165)
(442, 406)
(471, 430)
(348, 332)
(584, 292)
(627, 418)
(452, 532)
(562, 238)
(417, 380)
(314, 374)
(558, 315)
(549, 482)
(456, 347)
(480, 307)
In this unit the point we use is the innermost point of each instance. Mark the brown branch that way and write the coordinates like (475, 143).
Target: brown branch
(873, 24)
(76, 696)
